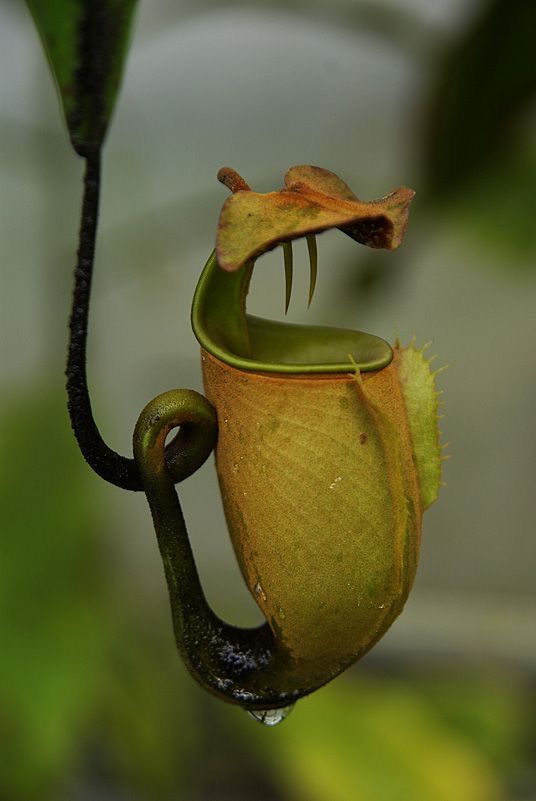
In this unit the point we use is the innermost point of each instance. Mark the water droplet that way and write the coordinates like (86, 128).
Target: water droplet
(260, 592)
(263, 468)
(282, 613)
(332, 486)
(270, 717)
(225, 420)
(381, 606)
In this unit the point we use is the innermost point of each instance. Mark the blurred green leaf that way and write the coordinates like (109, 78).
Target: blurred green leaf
(480, 138)
(486, 80)
(83, 659)
(491, 711)
(149, 724)
(53, 615)
(375, 741)
(86, 43)
(500, 207)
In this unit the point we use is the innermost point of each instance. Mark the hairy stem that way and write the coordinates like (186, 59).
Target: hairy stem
(190, 447)
(103, 460)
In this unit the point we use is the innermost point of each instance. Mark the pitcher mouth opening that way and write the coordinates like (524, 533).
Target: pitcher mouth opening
(312, 200)
(224, 328)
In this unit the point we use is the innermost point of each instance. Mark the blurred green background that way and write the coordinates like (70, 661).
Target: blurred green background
(438, 95)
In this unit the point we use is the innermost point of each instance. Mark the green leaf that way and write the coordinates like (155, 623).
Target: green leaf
(485, 81)
(149, 726)
(490, 710)
(86, 43)
(83, 658)
(479, 134)
(499, 208)
(375, 741)
(54, 616)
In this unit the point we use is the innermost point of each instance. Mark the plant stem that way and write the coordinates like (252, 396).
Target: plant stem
(193, 443)
(103, 460)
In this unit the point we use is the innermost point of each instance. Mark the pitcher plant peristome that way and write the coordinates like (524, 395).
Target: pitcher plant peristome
(327, 454)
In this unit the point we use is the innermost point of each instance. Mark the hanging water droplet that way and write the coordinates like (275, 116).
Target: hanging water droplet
(270, 717)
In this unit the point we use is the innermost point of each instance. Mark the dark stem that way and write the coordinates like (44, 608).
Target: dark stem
(248, 667)
(105, 462)
(189, 448)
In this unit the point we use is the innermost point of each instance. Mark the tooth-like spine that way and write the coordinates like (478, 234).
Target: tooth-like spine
(424, 347)
(287, 253)
(313, 266)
